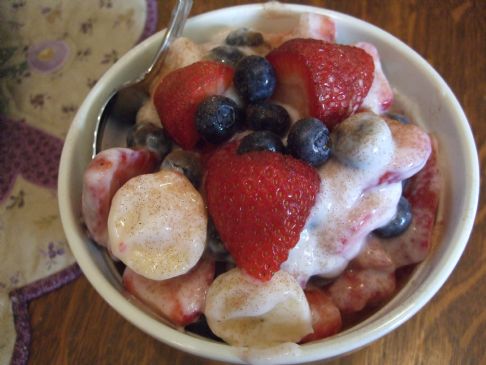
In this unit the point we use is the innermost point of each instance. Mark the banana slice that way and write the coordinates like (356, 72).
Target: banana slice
(246, 312)
(157, 225)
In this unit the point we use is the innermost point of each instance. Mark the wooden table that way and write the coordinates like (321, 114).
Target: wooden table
(75, 326)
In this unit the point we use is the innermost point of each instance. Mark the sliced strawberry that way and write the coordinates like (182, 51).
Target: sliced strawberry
(259, 202)
(105, 174)
(323, 80)
(326, 318)
(355, 289)
(316, 26)
(380, 96)
(374, 256)
(308, 25)
(407, 137)
(179, 93)
(423, 194)
(180, 299)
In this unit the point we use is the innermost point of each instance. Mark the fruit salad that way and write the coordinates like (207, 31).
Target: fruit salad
(269, 193)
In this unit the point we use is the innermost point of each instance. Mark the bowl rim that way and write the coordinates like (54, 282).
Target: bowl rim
(324, 349)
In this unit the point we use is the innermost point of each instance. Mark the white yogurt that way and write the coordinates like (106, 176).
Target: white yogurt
(157, 225)
(247, 312)
(352, 202)
(277, 354)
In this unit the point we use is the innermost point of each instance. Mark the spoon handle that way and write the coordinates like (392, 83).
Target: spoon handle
(174, 29)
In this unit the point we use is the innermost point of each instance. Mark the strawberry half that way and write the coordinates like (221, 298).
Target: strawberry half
(423, 192)
(326, 317)
(179, 93)
(180, 299)
(324, 80)
(259, 202)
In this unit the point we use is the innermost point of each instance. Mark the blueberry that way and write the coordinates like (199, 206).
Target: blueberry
(319, 281)
(308, 140)
(226, 54)
(149, 136)
(254, 79)
(400, 222)
(216, 245)
(363, 141)
(398, 117)
(405, 183)
(187, 163)
(218, 118)
(261, 141)
(201, 328)
(244, 37)
(268, 116)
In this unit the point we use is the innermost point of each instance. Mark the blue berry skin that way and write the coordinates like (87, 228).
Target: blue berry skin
(254, 79)
(226, 54)
(216, 245)
(268, 116)
(400, 222)
(218, 118)
(201, 327)
(187, 163)
(261, 141)
(405, 183)
(244, 37)
(148, 135)
(309, 141)
(398, 117)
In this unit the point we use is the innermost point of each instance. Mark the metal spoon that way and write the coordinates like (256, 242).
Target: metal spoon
(118, 114)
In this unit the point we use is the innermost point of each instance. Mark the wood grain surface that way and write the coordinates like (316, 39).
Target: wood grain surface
(75, 326)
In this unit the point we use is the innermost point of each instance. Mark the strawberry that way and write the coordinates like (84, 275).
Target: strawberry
(357, 289)
(105, 174)
(259, 202)
(326, 317)
(324, 80)
(180, 299)
(380, 96)
(179, 93)
(308, 25)
(423, 192)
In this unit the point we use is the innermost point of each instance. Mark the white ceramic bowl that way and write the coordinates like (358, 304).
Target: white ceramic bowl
(432, 102)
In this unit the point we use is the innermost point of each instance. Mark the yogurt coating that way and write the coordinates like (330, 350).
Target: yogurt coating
(353, 201)
(277, 354)
(358, 194)
(105, 174)
(363, 141)
(157, 225)
(246, 312)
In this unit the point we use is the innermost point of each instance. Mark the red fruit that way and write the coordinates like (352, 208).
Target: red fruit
(380, 96)
(324, 80)
(423, 193)
(326, 317)
(356, 289)
(105, 174)
(374, 256)
(181, 299)
(259, 202)
(309, 25)
(179, 93)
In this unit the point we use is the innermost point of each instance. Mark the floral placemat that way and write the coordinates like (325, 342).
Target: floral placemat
(51, 53)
